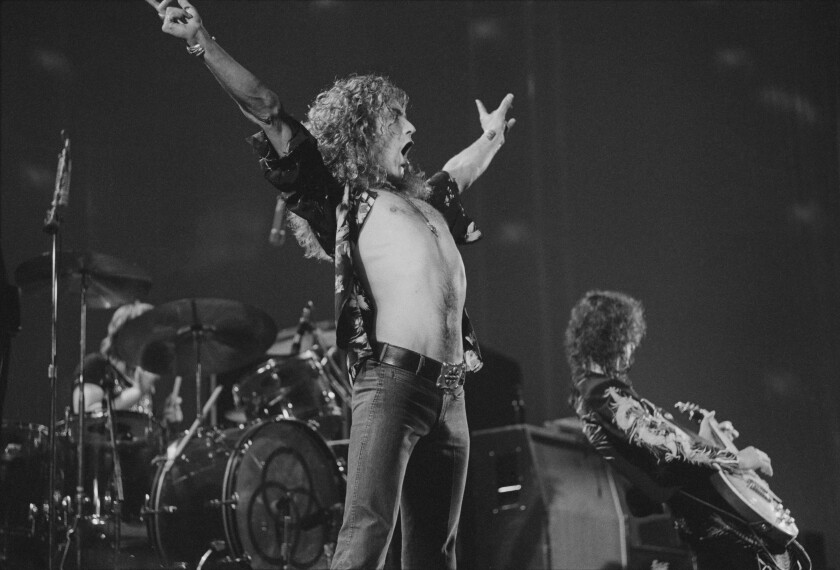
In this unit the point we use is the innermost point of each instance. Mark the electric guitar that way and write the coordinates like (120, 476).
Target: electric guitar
(745, 491)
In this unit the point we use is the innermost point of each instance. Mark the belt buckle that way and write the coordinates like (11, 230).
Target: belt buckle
(451, 376)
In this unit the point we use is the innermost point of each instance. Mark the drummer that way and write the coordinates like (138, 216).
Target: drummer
(131, 387)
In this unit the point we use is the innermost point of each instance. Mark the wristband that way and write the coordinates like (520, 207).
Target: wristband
(197, 50)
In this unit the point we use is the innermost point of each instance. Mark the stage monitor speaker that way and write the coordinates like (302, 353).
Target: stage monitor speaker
(544, 499)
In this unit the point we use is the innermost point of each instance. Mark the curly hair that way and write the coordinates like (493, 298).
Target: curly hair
(348, 121)
(121, 316)
(601, 325)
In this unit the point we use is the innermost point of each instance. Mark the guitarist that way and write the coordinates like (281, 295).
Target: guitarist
(664, 461)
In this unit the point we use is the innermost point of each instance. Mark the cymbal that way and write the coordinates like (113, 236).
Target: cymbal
(231, 334)
(109, 281)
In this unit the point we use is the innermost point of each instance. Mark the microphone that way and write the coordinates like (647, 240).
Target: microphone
(303, 326)
(277, 237)
(63, 175)
(61, 193)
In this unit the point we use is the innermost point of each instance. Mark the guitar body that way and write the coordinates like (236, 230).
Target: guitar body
(751, 498)
(748, 494)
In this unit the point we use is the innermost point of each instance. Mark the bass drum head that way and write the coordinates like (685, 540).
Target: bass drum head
(283, 468)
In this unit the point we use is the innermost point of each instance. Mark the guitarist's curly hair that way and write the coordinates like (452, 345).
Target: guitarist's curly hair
(601, 325)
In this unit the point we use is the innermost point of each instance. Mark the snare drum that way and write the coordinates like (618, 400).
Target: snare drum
(130, 429)
(231, 490)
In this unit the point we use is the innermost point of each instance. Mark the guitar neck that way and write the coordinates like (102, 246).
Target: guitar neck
(722, 438)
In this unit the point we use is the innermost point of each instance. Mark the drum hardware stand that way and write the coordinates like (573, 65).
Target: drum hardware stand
(80, 451)
(284, 508)
(80, 416)
(327, 366)
(214, 419)
(52, 224)
(335, 377)
(197, 331)
(211, 401)
(285, 549)
(304, 326)
(120, 498)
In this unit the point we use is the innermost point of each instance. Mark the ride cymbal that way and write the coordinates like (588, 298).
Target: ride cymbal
(228, 334)
(109, 281)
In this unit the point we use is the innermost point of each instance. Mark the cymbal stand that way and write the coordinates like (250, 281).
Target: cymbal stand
(118, 484)
(80, 417)
(198, 334)
(197, 330)
(52, 225)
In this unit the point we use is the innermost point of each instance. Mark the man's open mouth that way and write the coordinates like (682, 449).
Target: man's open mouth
(406, 148)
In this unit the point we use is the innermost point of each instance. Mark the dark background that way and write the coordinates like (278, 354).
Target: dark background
(685, 153)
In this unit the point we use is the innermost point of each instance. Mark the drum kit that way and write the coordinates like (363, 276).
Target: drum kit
(263, 488)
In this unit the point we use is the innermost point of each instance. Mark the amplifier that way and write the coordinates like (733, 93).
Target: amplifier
(540, 498)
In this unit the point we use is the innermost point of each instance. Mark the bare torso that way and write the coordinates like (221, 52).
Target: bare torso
(416, 278)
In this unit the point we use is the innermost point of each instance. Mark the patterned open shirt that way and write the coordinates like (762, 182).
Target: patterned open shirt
(644, 442)
(336, 214)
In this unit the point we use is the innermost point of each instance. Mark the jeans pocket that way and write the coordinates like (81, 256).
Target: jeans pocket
(367, 384)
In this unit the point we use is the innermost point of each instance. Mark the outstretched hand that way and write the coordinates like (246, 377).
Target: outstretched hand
(182, 22)
(496, 123)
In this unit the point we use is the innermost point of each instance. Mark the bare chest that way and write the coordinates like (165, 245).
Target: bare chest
(411, 235)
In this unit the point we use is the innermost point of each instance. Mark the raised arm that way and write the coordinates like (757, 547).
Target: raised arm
(259, 103)
(466, 166)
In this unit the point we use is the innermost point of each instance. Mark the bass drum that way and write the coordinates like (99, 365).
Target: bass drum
(252, 494)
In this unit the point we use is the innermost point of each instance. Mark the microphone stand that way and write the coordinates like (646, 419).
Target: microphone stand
(52, 225)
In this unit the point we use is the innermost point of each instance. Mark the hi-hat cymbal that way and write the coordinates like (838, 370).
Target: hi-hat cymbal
(231, 334)
(109, 281)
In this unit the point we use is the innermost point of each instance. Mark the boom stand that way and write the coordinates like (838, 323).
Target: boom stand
(52, 225)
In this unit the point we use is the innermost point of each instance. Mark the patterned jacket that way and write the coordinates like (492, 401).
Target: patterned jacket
(642, 441)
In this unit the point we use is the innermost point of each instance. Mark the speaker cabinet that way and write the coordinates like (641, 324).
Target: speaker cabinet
(543, 499)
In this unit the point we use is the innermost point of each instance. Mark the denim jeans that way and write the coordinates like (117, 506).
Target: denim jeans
(409, 445)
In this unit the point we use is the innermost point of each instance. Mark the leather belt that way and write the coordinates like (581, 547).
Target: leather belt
(444, 375)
